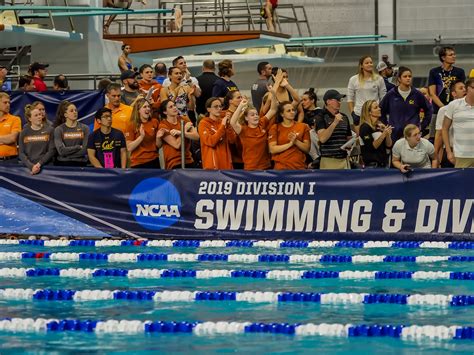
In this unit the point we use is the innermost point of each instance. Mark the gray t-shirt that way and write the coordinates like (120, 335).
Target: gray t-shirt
(418, 157)
(36, 146)
(128, 97)
(71, 143)
(259, 89)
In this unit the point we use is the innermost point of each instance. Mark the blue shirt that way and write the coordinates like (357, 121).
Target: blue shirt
(6, 86)
(401, 112)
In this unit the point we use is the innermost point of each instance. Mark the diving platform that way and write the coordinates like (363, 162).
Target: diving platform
(168, 44)
(18, 36)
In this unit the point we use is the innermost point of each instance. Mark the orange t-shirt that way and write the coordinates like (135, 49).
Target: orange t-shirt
(172, 155)
(145, 87)
(235, 143)
(292, 158)
(255, 152)
(147, 150)
(9, 124)
(215, 152)
(120, 117)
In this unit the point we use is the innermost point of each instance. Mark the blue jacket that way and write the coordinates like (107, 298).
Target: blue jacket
(401, 112)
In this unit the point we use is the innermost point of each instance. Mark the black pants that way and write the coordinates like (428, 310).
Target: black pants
(154, 164)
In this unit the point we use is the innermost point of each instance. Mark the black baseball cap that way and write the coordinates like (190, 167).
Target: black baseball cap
(128, 74)
(333, 94)
(37, 66)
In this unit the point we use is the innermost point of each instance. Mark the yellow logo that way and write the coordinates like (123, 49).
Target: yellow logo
(108, 145)
(411, 102)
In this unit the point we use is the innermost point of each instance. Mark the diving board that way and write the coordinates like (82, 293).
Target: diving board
(348, 43)
(15, 35)
(186, 43)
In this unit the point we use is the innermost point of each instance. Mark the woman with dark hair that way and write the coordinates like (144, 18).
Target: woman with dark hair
(231, 102)
(70, 136)
(365, 85)
(150, 88)
(36, 141)
(181, 94)
(124, 61)
(253, 133)
(404, 105)
(215, 137)
(376, 136)
(143, 137)
(171, 124)
(288, 140)
(308, 108)
(284, 91)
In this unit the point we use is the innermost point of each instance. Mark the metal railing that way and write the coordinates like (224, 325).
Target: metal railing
(90, 78)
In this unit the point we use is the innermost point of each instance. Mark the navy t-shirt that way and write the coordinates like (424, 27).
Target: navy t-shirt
(222, 87)
(443, 79)
(107, 147)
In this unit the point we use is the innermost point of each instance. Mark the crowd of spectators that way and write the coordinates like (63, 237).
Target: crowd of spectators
(159, 117)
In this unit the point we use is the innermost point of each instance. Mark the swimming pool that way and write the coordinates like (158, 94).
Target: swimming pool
(253, 296)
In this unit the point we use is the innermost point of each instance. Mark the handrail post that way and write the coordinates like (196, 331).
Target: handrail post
(71, 23)
(51, 16)
(183, 147)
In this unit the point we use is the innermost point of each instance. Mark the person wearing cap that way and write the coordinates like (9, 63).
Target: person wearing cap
(121, 113)
(333, 129)
(10, 127)
(385, 70)
(5, 84)
(106, 147)
(131, 87)
(39, 71)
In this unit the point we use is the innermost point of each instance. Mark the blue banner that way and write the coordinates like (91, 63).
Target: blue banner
(369, 205)
(87, 103)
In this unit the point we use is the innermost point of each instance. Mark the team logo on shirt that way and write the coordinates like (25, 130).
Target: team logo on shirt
(155, 204)
(411, 102)
(39, 138)
(73, 135)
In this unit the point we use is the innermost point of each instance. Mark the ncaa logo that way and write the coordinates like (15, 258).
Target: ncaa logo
(155, 204)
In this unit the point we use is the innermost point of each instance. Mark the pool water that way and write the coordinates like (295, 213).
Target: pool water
(296, 312)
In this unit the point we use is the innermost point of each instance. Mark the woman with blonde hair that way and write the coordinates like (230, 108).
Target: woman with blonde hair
(365, 85)
(412, 151)
(36, 141)
(375, 136)
(143, 136)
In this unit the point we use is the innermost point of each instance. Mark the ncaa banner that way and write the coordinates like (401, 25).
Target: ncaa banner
(87, 103)
(370, 205)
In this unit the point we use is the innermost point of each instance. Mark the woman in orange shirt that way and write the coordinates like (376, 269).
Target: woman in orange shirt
(215, 137)
(288, 140)
(231, 100)
(171, 123)
(143, 137)
(149, 85)
(253, 133)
